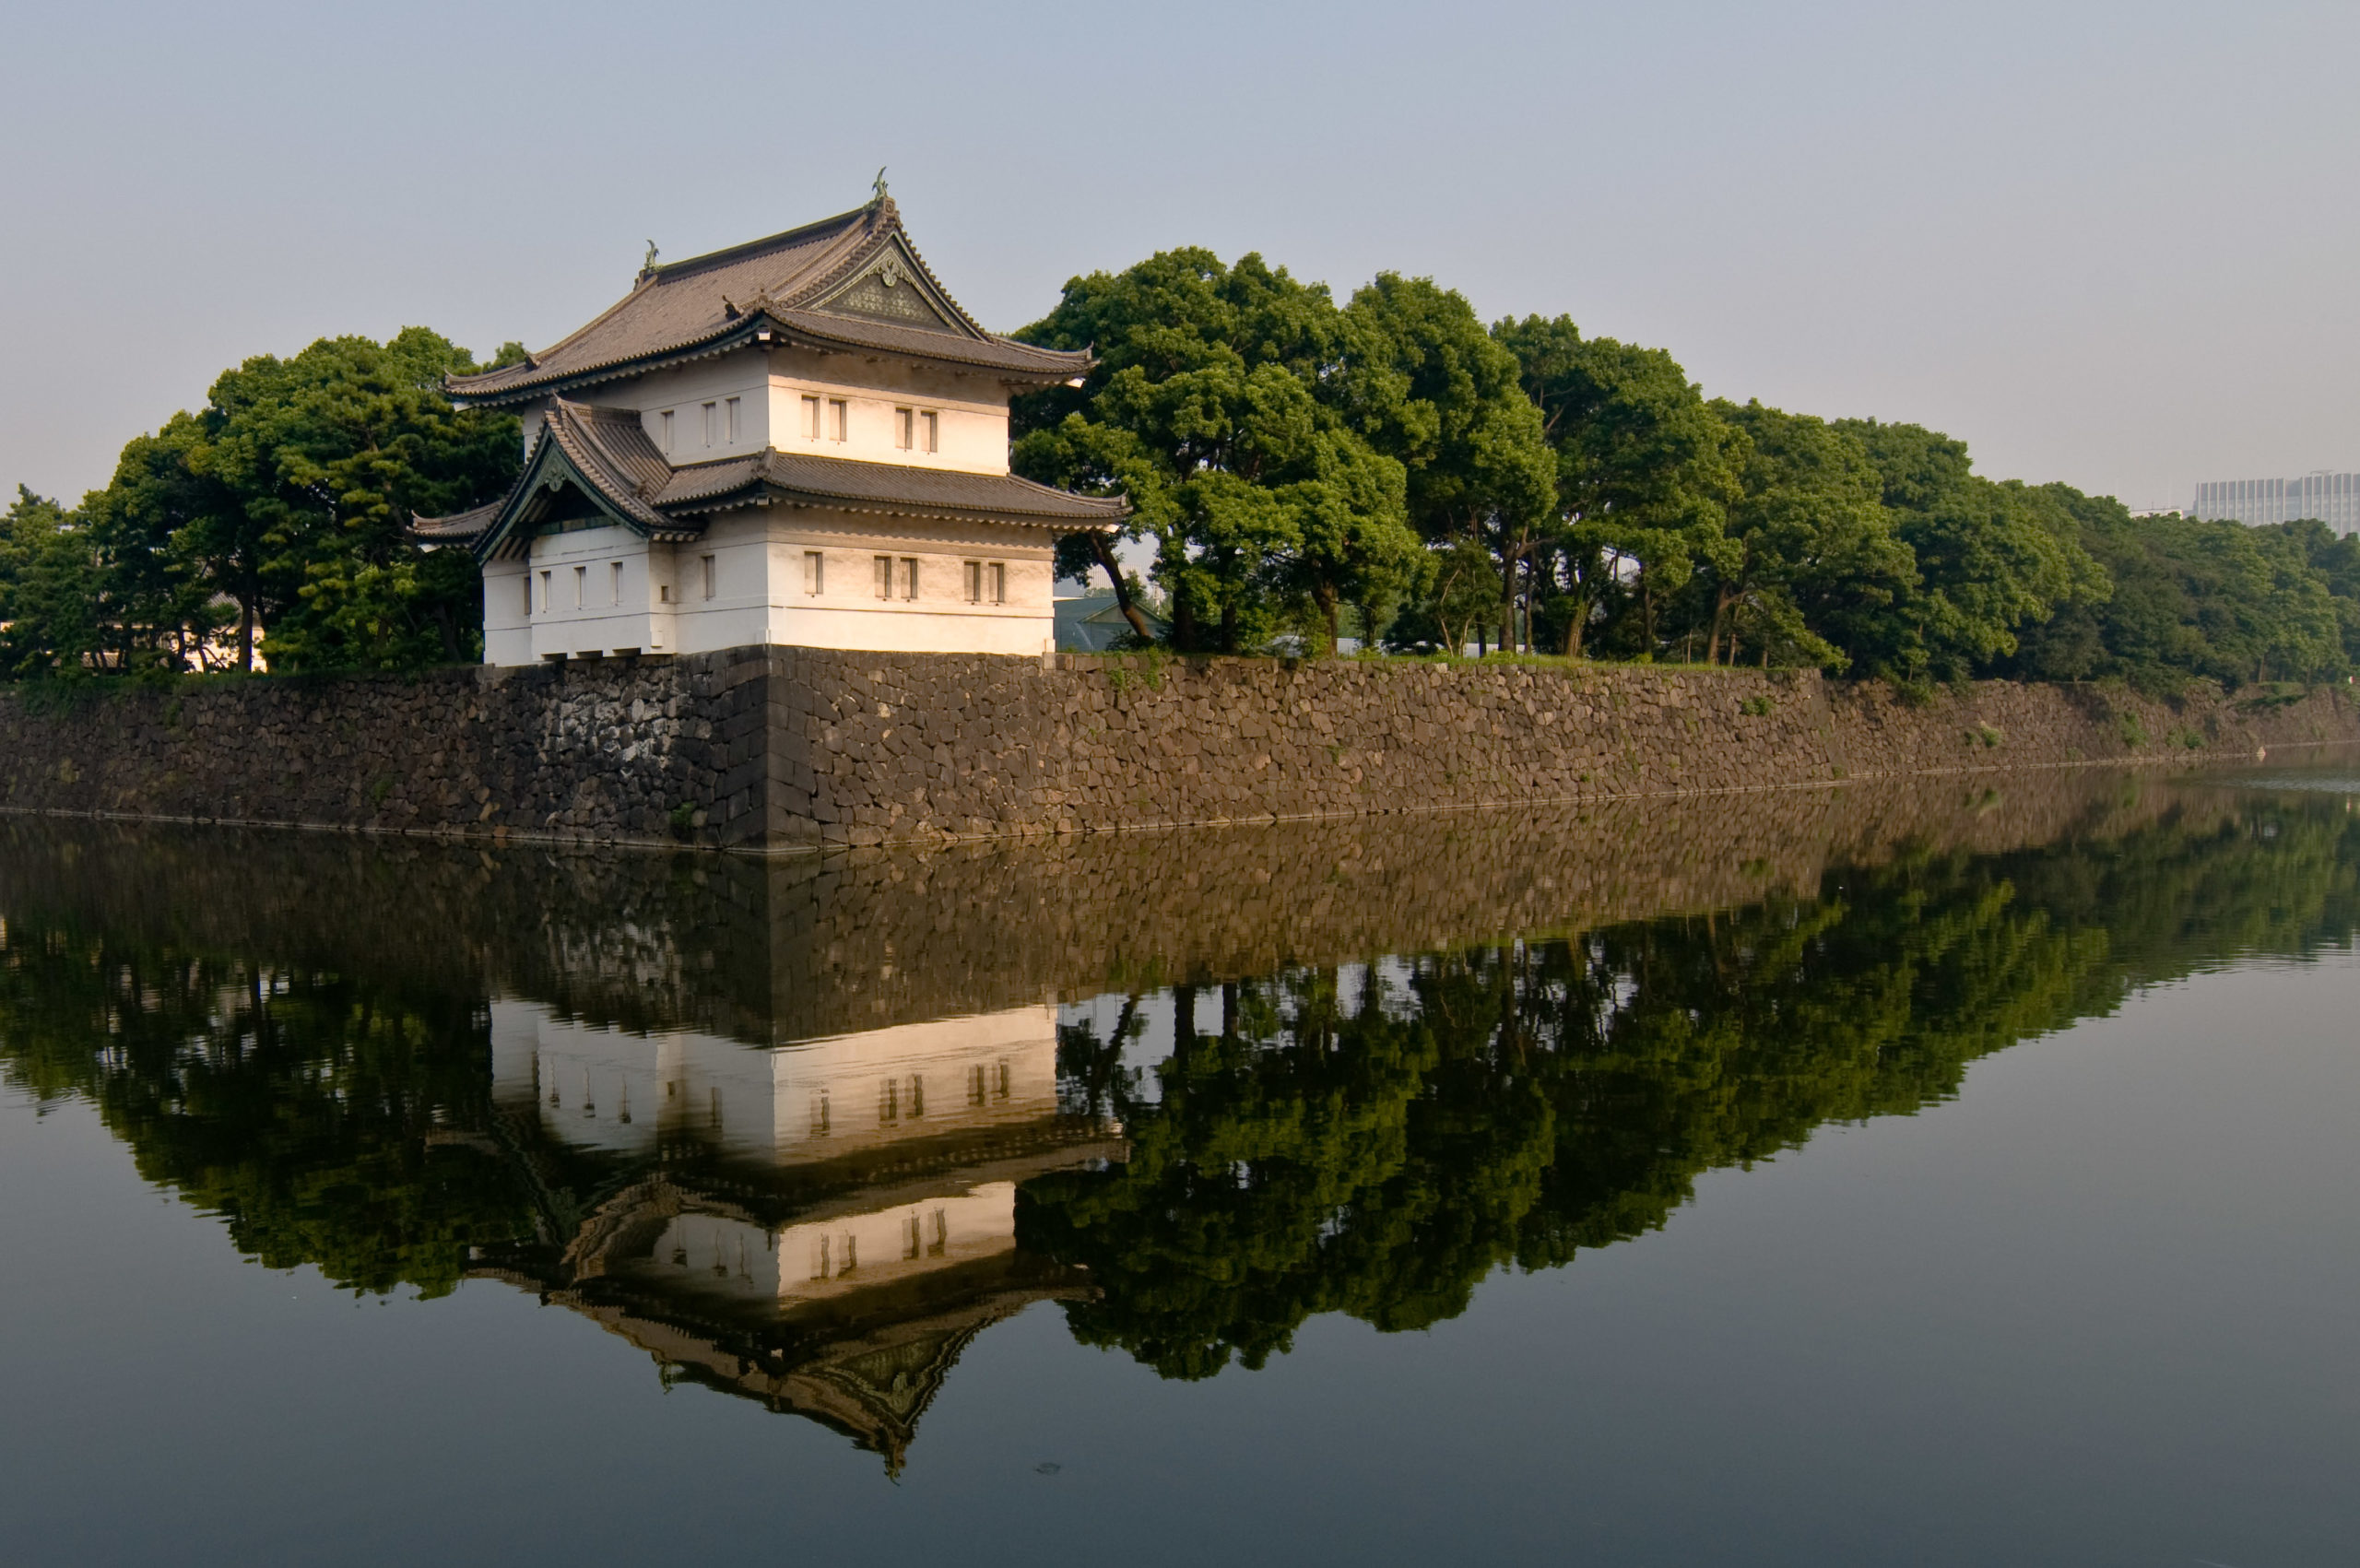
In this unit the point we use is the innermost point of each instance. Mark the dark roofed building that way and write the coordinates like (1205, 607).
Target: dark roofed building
(801, 440)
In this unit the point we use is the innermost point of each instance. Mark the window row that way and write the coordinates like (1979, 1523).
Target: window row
(614, 584)
(824, 418)
(830, 419)
(718, 421)
(896, 577)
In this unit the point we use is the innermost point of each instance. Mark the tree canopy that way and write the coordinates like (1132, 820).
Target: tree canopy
(1388, 470)
(271, 520)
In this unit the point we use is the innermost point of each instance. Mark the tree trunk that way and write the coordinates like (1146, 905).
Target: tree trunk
(246, 633)
(1507, 599)
(1324, 596)
(1106, 553)
(1722, 599)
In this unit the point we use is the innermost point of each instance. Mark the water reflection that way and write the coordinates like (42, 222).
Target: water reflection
(799, 1130)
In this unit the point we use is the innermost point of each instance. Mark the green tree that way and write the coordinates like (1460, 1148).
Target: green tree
(1810, 558)
(1646, 474)
(158, 527)
(1427, 384)
(328, 453)
(2196, 600)
(48, 589)
(1992, 560)
(1209, 409)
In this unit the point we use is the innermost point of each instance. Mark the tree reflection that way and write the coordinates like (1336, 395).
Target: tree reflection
(328, 1121)
(1370, 1138)
(1375, 1140)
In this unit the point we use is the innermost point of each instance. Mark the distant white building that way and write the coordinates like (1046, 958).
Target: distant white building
(2332, 498)
(802, 440)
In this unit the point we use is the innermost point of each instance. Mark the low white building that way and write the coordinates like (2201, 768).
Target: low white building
(798, 441)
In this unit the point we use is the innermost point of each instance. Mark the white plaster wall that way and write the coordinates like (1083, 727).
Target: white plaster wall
(531, 417)
(737, 614)
(838, 1255)
(507, 624)
(759, 589)
(580, 608)
(604, 1088)
(853, 1092)
(684, 390)
(721, 1256)
(848, 610)
(972, 411)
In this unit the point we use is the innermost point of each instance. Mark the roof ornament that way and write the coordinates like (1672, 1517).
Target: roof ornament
(877, 188)
(649, 264)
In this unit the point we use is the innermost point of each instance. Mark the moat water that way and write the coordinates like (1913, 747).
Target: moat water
(1963, 1172)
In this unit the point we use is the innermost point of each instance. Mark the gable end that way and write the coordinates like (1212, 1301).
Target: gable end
(892, 288)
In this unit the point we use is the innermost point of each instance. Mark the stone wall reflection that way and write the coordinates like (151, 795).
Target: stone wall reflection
(772, 950)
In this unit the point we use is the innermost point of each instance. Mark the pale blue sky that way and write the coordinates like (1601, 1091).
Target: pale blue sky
(2107, 244)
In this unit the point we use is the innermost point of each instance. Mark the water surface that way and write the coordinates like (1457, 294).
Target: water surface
(1947, 1174)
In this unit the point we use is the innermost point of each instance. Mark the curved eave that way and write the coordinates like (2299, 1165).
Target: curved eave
(549, 467)
(767, 494)
(1000, 357)
(731, 336)
(810, 329)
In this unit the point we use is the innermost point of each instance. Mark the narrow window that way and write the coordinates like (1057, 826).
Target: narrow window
(931, 431)
(975, 582)
(615, 594)
(810, 417)
(839, 419)
(913, 1238)
(889, 1100)
(905, 428)
(580, 587)
(909, 577)
(820, 1114)
(917, 1095)
(529, 595)
(941, 1234)
(708, 424)
(664, 593)
(975, 1089)
(730, 409)
(815, 573)
(548, 604)
(999, 1088)
(884, 576)
(707, 561)
(999, 581)
(665, 420)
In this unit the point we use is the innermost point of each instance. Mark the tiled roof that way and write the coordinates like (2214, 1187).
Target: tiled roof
(609, 450)
(458, 528)
(788, 280)
(900, 488)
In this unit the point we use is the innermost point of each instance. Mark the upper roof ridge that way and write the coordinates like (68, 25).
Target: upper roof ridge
(709, 302)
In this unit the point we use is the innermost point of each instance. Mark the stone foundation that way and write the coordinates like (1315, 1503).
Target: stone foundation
(780, 748)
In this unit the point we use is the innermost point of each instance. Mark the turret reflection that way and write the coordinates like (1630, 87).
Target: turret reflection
(822, 1225)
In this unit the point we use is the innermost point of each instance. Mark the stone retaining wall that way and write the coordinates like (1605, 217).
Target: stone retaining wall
(790, 747)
